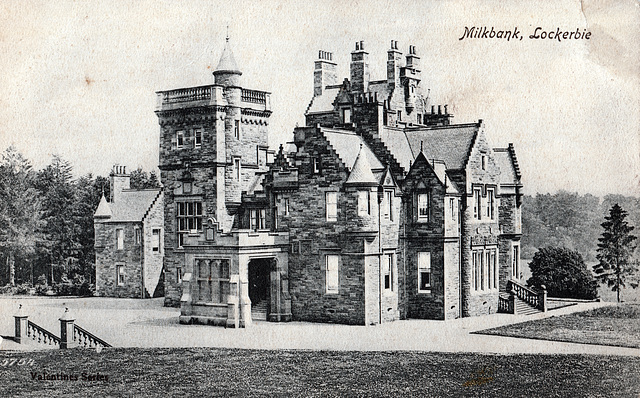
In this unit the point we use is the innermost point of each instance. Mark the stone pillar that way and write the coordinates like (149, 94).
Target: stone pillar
(233, 310)
(66, 330)
(542, 298)
(21, 325)
(245, 302)
(186, 310)
(512, 301)
(274, 293)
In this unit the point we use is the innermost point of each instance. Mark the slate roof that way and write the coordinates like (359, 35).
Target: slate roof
(346, 144)
(103, 210)
(451, 144)
(396, 141)
(324, 102)
(507, 170)
(361, 170)
(132, 205)
(381, 87)
(227, 61)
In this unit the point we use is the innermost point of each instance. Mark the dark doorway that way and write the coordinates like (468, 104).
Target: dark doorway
(259, 292)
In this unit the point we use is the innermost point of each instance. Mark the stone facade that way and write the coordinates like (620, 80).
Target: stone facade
(128, 241)
(382, 210)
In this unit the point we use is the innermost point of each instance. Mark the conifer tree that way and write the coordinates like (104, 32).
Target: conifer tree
(615, 250)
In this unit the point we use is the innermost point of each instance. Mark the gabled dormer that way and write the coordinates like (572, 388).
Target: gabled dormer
(425, 191)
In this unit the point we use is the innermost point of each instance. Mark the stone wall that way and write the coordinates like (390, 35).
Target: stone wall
(153, 260)
(482, 233)
(354, 238)
(108, 258)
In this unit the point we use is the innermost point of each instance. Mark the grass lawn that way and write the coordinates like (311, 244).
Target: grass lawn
(616, 325)
(225, 372)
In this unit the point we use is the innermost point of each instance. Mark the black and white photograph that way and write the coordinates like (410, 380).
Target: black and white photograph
(320, 198)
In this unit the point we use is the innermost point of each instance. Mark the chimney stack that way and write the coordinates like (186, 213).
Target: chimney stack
(394, 59)
(325, 72)
(119, 181)
(359, 69)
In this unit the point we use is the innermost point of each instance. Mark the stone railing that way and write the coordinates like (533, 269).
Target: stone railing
(189, 94)
(253, 96)
(70, 334)
(86, 339)
(505, 304)
(533, 298)
(41, 335)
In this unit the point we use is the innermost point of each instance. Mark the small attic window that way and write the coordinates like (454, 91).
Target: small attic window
(346, 115)
(484, 162)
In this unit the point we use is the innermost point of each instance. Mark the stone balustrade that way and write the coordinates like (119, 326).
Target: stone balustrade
(70, 334)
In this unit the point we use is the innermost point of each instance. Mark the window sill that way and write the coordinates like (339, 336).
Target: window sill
(424, 291)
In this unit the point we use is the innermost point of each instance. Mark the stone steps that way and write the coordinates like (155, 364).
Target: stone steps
(259, 310)
(523, 308)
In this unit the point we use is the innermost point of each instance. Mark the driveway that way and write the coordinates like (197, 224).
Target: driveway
(146, 323)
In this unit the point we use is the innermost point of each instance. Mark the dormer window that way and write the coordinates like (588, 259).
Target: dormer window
(423, 207)
(346, 115)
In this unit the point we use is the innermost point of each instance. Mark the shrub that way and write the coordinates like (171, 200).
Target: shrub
(76, 287)
(41, 286)
(24, 288)
(563, 272)
(7, 289)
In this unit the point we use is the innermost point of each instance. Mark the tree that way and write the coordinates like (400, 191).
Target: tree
(140, 179)
(59, 198)
(19, 210)
(563, 273)
(615, 250)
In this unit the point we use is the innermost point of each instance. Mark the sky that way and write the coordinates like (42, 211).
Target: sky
(78, 79)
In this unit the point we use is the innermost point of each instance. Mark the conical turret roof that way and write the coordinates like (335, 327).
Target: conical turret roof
(227, 63)
(103, 210)
(361, 173)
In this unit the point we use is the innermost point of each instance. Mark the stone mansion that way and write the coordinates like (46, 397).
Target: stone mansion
(381, 209)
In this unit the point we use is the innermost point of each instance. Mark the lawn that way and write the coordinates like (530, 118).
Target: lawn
(225, 372)
(616, 325)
